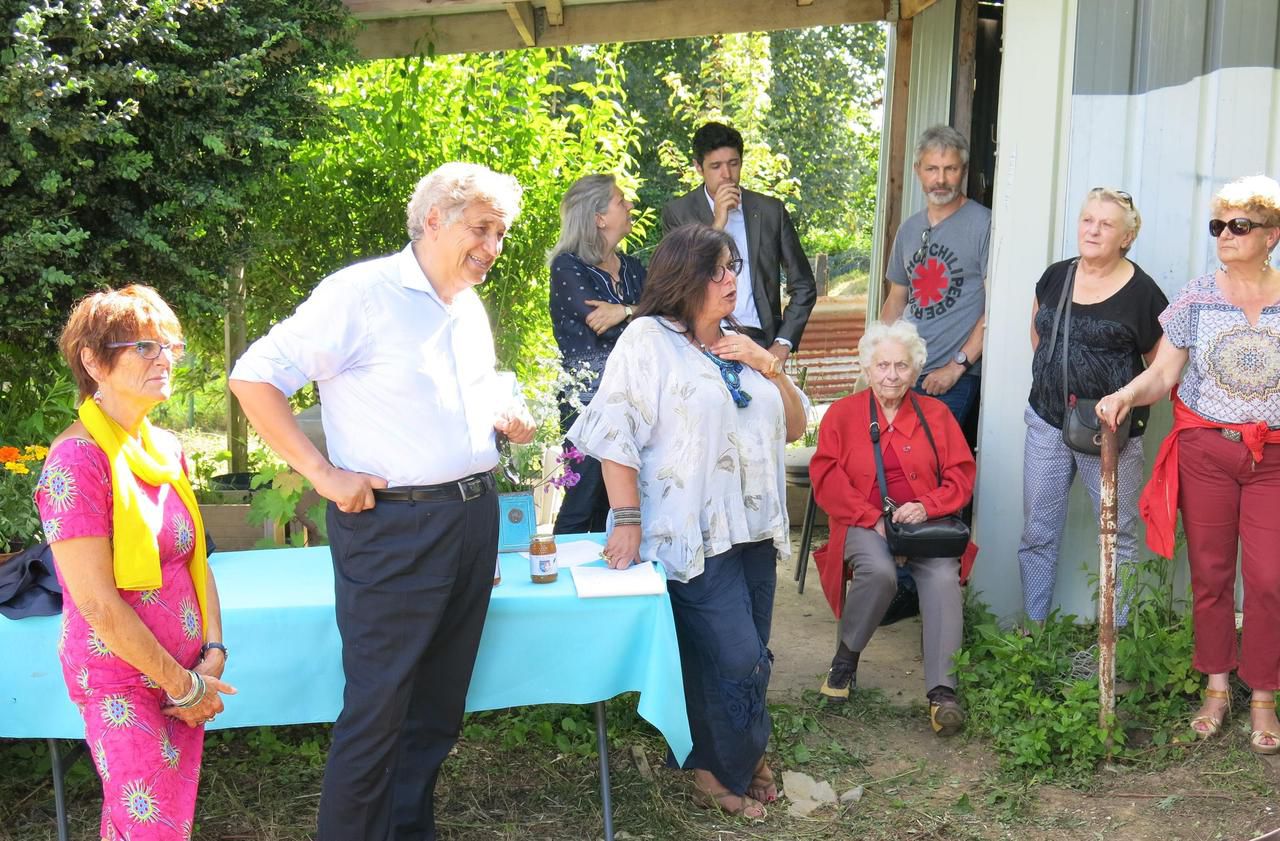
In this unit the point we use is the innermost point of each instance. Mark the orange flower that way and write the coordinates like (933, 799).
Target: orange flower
(9, 454)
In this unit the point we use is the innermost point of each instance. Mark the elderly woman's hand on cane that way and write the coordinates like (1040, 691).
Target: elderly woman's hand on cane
(1113, 408)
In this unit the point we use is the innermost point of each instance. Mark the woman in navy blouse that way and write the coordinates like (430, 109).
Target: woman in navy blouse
(593, 288)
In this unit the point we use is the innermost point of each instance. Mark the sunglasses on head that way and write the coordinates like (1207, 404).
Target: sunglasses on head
(148, 349)
(1124, 197)
(924, 246)
(1239, 226)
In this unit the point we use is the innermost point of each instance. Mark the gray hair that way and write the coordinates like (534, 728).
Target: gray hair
(452, 187)
(579, 234)
(1121, 199)
(940, 139)
(900, 331)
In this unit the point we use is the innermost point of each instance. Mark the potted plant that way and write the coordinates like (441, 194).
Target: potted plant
(20, 524)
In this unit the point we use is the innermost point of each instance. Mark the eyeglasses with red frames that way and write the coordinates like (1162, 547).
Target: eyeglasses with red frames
(149, 349)
(734, 265)
(1239, 226)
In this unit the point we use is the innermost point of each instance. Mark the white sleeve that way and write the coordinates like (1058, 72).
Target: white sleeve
(619, 421)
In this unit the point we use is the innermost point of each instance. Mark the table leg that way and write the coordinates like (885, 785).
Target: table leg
(60, 764)
(602, 745)
(806, 537)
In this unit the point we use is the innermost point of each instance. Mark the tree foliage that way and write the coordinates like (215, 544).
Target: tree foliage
(523, 113)
(135, 136)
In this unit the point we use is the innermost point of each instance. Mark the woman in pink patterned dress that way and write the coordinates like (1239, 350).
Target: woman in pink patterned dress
(141, 628)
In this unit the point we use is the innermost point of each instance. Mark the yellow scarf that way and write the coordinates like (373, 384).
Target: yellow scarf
(135, 551)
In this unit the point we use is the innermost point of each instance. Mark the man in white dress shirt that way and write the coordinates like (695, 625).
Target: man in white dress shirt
(763, 234)
(401, 350)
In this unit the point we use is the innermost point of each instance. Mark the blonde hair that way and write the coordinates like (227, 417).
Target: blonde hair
(900, 331)
(453, 186)
(1122, 200)
(1252, 194)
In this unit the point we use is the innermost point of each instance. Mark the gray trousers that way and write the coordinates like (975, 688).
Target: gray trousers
(875, 580)
(1048, 468)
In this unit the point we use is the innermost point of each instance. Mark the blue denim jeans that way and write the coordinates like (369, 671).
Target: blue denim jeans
(960, 398)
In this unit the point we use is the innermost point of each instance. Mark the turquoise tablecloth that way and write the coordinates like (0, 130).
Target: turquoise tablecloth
(541, 644)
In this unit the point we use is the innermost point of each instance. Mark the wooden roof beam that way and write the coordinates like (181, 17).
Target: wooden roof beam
(522, 16)
(555, 13)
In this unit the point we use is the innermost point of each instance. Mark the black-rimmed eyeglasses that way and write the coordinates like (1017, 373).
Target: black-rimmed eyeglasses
(1239, 226)
(148, 349)
(734, 265)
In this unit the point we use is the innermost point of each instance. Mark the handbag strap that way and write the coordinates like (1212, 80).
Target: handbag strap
(1063, 314)
(887, 505)
(928, 433)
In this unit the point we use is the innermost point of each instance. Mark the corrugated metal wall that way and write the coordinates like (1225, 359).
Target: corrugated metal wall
(933, 37)
(1167, 99)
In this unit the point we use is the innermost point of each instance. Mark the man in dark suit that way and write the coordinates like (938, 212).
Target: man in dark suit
(766, 240)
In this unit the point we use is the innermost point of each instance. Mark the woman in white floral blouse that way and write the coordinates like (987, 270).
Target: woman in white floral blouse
(1220, 465)
(689, 424)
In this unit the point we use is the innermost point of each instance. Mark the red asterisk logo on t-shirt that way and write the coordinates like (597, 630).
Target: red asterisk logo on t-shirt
(929, 282)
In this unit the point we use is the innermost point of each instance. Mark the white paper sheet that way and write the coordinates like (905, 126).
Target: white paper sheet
(598, 581)
(574, 552)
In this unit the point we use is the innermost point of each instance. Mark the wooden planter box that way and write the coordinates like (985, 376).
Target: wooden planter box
(229, 525)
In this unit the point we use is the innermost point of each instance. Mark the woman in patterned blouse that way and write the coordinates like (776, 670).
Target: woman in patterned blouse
(141, 643)
(593, 289)
(1220, 465)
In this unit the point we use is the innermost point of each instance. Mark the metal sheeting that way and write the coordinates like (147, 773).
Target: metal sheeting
(1143, 45)
(933, 37)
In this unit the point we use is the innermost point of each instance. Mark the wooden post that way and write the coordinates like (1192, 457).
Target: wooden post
(1107, 588)
(966, 68)
(822, 274)
(900, 89)
(234, 344)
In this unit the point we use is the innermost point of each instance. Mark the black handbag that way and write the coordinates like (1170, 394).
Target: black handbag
(1081, 429)
(941, 537)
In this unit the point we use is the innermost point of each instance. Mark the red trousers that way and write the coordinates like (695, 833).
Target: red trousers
(1227, 500)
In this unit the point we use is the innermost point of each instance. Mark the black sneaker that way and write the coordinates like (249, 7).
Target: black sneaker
(842, 677)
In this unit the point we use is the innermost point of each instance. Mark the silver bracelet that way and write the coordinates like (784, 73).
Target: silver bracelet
(628, 516)
(194, 695)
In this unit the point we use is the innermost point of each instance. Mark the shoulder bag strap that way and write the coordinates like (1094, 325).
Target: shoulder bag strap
(1067, 288)
(886, 503)
(928, 433)
(1063, 297)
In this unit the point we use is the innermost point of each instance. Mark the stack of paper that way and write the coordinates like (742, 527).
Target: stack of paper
(639, 580)
(570, 553)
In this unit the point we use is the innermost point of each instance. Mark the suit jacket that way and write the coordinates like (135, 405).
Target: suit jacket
(772, 245)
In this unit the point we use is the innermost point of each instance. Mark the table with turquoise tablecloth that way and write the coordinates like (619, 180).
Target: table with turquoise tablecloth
(542, 644)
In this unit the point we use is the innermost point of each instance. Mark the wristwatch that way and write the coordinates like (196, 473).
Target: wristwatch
(962, 359)
(204, 650)
(774, 369)
(626, 309)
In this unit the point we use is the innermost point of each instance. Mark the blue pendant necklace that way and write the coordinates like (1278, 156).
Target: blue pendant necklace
(731, 373)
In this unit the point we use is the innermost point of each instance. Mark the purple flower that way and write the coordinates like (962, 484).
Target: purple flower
(566, 480)
(571, 454)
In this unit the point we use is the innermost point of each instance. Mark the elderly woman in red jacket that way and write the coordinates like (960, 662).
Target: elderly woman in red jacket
(843, 471)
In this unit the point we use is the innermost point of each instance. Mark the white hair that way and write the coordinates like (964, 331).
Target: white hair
(902, 332)
(452, 187)
(1122, 200)
(940, 139)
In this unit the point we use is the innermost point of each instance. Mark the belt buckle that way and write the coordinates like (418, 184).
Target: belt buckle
(1232, 435)
(471, 488)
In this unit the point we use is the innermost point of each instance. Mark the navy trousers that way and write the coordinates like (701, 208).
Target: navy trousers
(585, 507)
(723, 618)
(412, 582)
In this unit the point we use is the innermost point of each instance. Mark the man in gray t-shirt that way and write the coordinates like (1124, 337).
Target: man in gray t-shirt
(938, 271)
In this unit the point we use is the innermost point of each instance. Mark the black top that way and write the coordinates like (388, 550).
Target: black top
(573, 283)
(1108, 340)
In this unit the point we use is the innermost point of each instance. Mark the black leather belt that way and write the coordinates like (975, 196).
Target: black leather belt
(462, 490)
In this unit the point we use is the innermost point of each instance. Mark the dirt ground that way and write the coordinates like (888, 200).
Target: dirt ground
(1223, 792)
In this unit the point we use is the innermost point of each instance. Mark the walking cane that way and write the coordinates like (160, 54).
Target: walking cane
(1107, 588)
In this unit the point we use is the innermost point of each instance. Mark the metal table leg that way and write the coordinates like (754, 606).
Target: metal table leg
(60, 764)
(806, 538)
(602, 745)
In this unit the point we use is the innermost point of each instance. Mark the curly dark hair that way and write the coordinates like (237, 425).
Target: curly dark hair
(713, 136)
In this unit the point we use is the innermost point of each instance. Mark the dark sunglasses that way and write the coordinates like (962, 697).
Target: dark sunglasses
(1239, 227)
(1120, 194)
(734, 265)
(148, 349)
(924, 246)
(731, 373)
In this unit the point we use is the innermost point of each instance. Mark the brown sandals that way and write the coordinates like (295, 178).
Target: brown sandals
(763, 787)
(1258, 738)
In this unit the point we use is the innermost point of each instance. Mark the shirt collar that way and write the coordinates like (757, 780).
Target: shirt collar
(413, 277)
(712, 203)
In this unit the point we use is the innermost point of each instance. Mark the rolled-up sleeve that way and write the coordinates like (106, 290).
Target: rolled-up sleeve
(323, 337)
(618, 422)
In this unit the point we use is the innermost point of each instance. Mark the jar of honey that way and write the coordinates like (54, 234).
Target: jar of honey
(543, 568)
